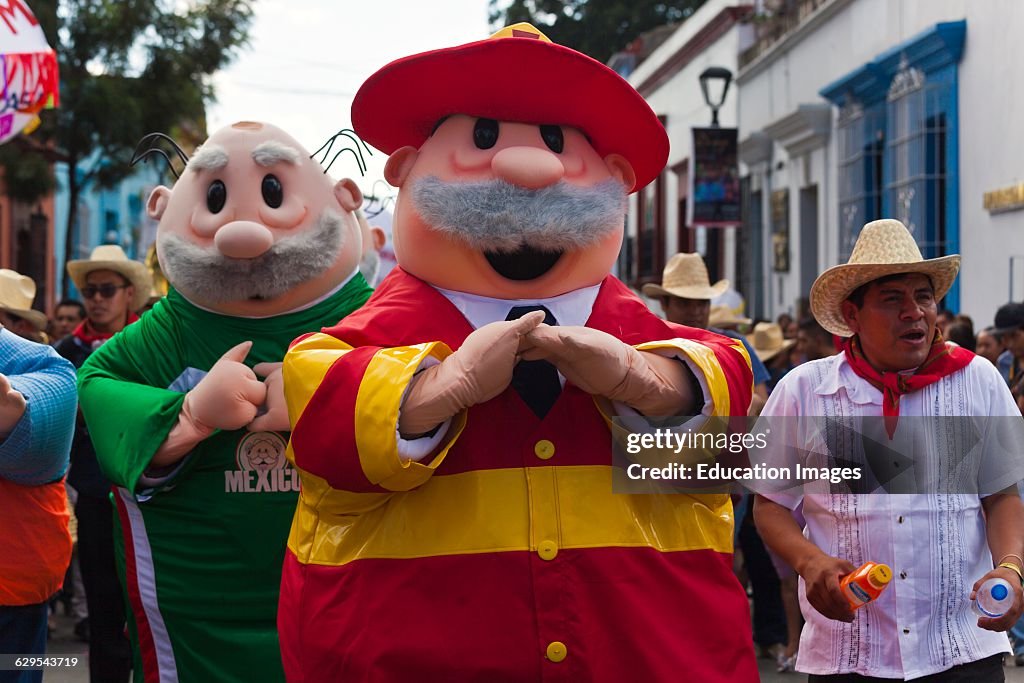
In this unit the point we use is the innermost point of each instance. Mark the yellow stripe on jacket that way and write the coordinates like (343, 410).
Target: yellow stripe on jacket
(502, 510)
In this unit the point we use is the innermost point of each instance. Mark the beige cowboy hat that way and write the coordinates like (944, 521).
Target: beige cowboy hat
(723, 316)
(17, 292)
(112, 257)
(686, 276)
(768, 341)
(883, 248)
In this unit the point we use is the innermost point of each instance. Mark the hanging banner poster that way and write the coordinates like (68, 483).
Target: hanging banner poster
(714, 179)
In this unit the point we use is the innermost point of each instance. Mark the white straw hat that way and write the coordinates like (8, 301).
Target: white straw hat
(17, 292)
(112, 257)
(686, 276)
(723, 316)
(768, 341)
(883, 248)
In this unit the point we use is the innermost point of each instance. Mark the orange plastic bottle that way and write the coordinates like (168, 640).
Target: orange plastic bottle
(865, 584)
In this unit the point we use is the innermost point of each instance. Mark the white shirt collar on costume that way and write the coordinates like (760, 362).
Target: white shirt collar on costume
(571, 308)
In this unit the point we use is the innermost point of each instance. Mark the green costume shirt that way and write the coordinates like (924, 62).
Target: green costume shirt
(200, 552)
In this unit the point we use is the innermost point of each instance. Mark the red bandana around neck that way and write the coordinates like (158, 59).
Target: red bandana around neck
(943, 359)
(92, 338)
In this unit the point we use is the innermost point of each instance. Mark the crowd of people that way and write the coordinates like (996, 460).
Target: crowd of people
(115, 289)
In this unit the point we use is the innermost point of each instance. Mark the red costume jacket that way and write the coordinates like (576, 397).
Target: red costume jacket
(505, 557)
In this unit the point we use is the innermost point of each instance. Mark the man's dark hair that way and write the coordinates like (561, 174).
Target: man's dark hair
(965, 320)
(72, 302)
(961, 335)
(857, 296)
(812, 328)
(1009, 317)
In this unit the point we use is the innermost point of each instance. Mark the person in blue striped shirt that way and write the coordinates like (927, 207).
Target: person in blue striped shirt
(37, 418)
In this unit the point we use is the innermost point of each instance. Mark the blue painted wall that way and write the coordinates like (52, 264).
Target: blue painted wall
(113, 215)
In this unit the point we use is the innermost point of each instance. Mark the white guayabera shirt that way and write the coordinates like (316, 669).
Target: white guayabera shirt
(935, 544)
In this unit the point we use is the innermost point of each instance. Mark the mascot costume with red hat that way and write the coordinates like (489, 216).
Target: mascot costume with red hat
(456, 520)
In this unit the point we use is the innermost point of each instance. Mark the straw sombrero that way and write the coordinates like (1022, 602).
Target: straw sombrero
(768, 341)
(17, 292)
(723, 316)
(686, 276)
(112, 257)
(883, 248)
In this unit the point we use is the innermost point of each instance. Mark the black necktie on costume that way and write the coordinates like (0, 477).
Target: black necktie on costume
(536, 381)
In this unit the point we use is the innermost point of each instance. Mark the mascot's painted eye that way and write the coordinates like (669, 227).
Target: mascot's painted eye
(273, 193)
(216, 195)
(485, 133)
(553, 138)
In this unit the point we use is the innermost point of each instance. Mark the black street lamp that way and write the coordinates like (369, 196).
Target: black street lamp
(711, 80)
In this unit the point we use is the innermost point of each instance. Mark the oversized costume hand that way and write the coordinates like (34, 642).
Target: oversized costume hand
(227, 398)
(12, 406)
(275, 419)
(230, 394)
(480, 370)
(601, 365)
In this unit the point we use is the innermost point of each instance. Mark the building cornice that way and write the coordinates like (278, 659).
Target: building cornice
(706, 36)
(755, 148)
(805, 129)
(932, 49)
(816, 19)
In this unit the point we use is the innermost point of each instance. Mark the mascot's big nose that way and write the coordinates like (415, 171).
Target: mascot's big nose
(243, 239)
(527, 167)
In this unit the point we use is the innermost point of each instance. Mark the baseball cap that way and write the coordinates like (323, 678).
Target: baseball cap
(1009, 317)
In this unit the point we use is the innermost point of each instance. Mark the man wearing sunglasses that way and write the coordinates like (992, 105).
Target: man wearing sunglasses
(113, 287)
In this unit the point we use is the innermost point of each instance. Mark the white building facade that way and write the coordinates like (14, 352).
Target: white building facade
(853, 110)
(669, 80)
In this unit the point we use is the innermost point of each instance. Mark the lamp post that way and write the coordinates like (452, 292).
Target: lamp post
(712, 79)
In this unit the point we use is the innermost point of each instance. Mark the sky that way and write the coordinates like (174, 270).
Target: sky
(307, 59)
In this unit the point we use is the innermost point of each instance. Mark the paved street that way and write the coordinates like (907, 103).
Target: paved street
(64, 643)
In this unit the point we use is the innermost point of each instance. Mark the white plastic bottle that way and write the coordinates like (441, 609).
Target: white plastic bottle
(994, 598)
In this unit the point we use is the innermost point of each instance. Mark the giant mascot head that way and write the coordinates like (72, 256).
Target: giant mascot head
(514, 157)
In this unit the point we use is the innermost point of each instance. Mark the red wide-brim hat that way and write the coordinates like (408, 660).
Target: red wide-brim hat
(517, 74)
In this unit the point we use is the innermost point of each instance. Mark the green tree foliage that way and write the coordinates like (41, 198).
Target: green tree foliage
(128, 68)
(598, 28)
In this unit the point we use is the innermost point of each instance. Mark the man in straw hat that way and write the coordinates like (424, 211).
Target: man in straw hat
(37, 415)
(685, 294)
(895, 366)
(16, 313)
(113, 287)
(456, 518)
